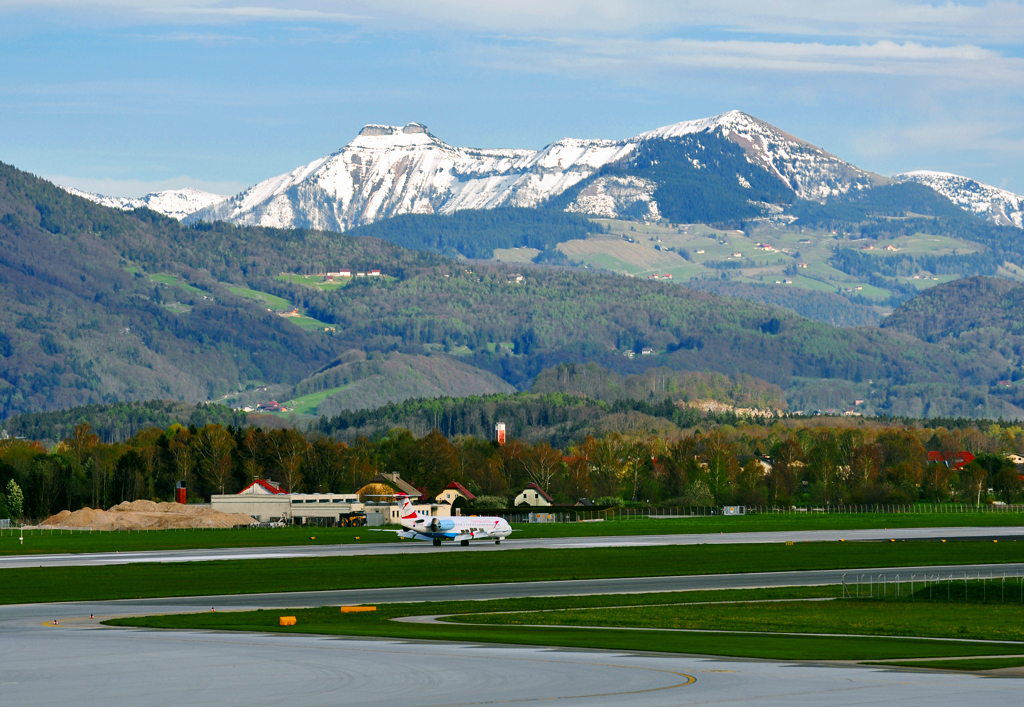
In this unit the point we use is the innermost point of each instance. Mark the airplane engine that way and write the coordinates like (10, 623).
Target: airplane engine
(439, 524)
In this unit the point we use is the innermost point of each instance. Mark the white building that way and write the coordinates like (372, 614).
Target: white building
(533, 495)
(267, 502)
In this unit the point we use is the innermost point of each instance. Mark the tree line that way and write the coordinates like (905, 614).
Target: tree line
(832, 462)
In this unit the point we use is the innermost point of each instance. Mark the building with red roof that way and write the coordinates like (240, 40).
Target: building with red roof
(534, 495)
(263, 487)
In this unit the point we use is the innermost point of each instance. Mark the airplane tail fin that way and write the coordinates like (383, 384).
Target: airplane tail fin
(405, 510)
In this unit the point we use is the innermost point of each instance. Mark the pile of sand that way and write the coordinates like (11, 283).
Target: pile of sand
(146, 515)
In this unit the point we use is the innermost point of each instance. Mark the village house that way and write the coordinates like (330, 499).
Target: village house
(533, 495)
(455, 495)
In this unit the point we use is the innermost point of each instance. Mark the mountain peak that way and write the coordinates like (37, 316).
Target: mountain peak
(808, 170)
(388, 136)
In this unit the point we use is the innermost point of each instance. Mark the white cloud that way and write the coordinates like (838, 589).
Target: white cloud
(997, 21)
(965, 64)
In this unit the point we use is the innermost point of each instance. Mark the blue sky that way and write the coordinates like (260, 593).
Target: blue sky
(129, 96)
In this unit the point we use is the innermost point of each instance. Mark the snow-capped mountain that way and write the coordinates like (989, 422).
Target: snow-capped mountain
(176, 203)
(808, 170)
(1001, 207)
(391, 170)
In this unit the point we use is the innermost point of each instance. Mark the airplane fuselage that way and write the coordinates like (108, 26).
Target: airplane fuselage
(419, 525)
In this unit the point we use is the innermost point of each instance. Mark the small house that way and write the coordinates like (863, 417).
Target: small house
(455, 495)
(533, 495)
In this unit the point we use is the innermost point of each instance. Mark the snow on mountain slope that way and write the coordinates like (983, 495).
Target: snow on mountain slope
(1001, 207)
(810, 171)
(391, 170)
(176, 203)
(610, 196)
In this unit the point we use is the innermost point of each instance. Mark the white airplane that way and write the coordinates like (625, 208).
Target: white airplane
(419, 526)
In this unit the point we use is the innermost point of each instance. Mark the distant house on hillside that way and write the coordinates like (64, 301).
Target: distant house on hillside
(533, 495)
(293, 312)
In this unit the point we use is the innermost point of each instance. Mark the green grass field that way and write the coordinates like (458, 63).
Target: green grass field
(59, 542)
(271, 301)
(306, 404)
(175, 281)
(330, 621)
(319, 283)
(768, 522)
(278, 303)
(449, 566)
(996, 622)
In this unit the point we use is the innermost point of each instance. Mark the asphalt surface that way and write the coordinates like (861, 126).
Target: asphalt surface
(415, 546)
(133, 668)
(79, 662)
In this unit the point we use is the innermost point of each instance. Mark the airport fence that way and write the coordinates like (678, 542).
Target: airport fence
(547, 514)
(976, 586)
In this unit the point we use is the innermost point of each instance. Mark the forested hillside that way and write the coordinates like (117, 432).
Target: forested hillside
(119, 422)
(569, 402)
(475, 234)
(825, 307)
(972, 317)
(558, 316)
(82, 321)
(366, 383)
(103, 306)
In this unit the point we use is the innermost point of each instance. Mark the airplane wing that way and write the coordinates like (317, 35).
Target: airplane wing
(472, 535)
(407, 534)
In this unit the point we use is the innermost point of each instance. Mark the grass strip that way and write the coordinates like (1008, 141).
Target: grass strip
(62, 542)
(769, 523)
(449, 566)
(859, 617)
(972, 664)
(329, 621)
(59, 542)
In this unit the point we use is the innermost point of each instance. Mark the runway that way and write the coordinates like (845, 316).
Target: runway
(101, 667)
(80, 662)
(415, 546)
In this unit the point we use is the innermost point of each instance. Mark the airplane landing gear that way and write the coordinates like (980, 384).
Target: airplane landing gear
(437, 542)
(465, 543)
(497, 542)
